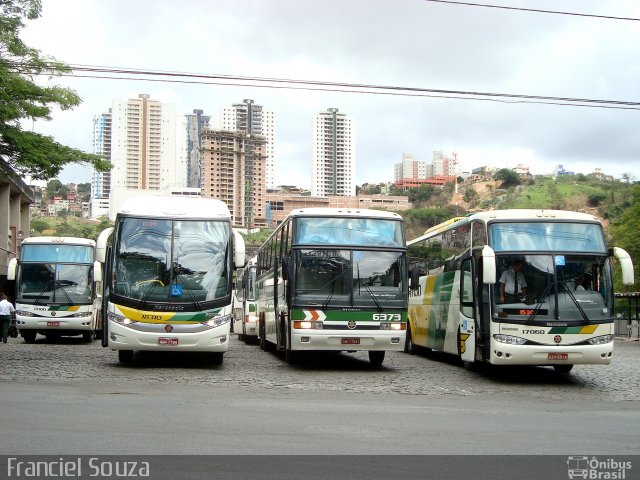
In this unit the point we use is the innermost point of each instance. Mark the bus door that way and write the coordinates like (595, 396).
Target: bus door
(467, 327)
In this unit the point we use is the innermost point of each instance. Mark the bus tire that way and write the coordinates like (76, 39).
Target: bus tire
(376, 357)
(125, 356)
(87, 337)
(409, 346)
(562, 369)
(216, 358)
(28, 335)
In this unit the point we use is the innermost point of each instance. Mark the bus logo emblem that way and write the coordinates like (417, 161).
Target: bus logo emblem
(53, 314)
(557, 339)
(351, 324)
(168, 328)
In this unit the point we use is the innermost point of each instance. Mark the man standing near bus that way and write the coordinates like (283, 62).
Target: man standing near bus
(513, 285)
(6, 312)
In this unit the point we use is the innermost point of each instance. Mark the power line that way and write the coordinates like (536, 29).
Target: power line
(120, 73)
(607, 17)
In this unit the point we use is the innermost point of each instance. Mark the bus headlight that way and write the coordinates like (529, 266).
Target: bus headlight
(250, 318)
(306, 325)
(122, 320)
(601, 340)
(510, 339)
(24, 313)
(393, 326)
(81, 314)
(216, 322)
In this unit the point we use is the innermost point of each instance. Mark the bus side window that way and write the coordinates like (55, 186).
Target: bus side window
(466, 288)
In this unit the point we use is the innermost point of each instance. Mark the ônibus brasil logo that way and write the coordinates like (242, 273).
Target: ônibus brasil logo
(593, 468)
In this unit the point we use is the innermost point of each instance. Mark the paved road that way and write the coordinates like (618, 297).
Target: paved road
(74, 398)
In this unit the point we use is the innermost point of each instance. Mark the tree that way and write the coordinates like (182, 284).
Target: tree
(30, 153)
(509, 178)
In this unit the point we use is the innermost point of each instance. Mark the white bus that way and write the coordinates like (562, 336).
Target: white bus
(559, 312)
(245, 321)
(168, 274)
(334, 279)
(55, 287)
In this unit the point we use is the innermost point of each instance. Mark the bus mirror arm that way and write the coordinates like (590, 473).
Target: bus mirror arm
(626, 264)
(488, 265)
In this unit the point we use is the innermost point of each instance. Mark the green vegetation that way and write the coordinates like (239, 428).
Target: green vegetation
(30, 153)
(68, 226)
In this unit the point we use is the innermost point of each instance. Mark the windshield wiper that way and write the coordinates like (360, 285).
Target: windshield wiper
(191, 294)
(366, 287)
(585, 317)
(64, 290)
(540, 301)
(333, 289)
(143, 300)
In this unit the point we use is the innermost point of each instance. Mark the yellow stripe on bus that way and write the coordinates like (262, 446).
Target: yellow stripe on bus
(145, 316)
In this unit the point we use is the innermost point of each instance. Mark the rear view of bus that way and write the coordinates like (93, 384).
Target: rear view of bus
(55, 287)
(168, 276)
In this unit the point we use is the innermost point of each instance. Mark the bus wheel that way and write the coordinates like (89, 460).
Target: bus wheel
(125, 356)
(562, 368)
(216, 358)
(28, 335)
(97, 334)
(409, 347)
(376, 358)
(87, 336)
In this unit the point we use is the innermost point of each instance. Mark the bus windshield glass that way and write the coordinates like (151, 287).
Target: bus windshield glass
(172, 261)
(349, 278)
(365, 232)
(568, 288)
(53, 253)
(64, 284)
(547, 237)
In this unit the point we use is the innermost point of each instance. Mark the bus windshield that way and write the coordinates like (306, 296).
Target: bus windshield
(172, 261)
(365, 232)
(547, 236)
(349, 278)
(64, 284)
(567, 288)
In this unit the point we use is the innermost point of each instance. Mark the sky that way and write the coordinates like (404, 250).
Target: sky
(399, 43)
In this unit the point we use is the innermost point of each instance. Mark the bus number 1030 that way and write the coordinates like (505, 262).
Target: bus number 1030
(387, 317)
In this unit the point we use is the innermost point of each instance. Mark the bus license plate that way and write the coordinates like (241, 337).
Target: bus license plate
(167, 341)
(558, 356)
(350, 341)
(53, 324)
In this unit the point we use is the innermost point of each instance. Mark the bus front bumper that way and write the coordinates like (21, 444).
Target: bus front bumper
(506, 354)
(214, 340)
(62, 324)
(348, 341)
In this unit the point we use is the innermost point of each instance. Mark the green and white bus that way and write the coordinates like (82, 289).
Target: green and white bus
(559, 311)
(245, 317)
(334, 279)
(168, 276)
(56, 287)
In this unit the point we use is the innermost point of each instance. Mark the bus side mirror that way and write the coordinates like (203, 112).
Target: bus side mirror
(488, 265)
(101, 244)
(238, 250)
(97, 272)
(11, 269)
(625, 264)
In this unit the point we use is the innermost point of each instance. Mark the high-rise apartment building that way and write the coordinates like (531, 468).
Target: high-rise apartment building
(410, 168)
(252, 119)
(233, 170)
(144, 146)
(101, 181)
(195, 123)
(445, 165)
(333, 163)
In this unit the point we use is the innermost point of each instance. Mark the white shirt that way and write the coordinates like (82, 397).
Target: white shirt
(6, 308)
(508, 277)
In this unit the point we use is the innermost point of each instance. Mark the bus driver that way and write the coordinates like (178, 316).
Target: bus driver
(513, 285)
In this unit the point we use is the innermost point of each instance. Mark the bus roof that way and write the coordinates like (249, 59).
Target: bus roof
(175, 206)
(512, 214)
(343, 212)
(59, 240)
